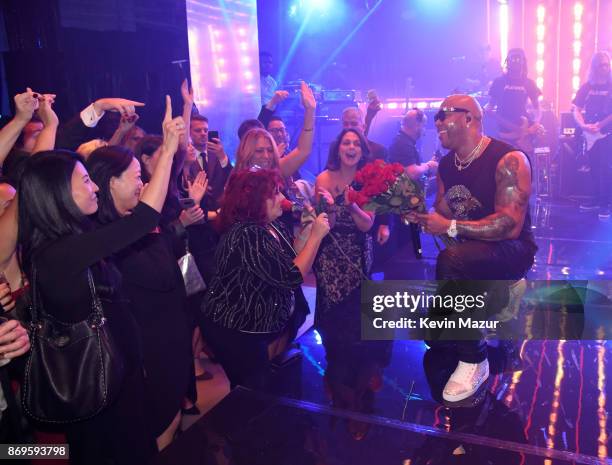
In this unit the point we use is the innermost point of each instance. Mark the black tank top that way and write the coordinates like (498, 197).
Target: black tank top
(470, 193)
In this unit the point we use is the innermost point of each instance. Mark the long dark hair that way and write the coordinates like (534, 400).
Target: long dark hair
(47, 210)
(147, 146)
(103, 164)
(333, 160)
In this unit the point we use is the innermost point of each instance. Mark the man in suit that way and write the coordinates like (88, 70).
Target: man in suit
(211, 158)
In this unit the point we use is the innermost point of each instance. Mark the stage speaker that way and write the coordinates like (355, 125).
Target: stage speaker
(574, 177)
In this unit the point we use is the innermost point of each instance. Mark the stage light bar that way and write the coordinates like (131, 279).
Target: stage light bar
(504, 26)
(541, 13)
(540, 45)
(577, 46)
(578, 10)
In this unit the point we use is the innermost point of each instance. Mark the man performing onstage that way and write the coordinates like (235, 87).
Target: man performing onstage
(483, 202)
(594, 99)
(509, 94)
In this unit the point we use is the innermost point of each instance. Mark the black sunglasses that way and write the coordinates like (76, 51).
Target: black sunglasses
(441, 115)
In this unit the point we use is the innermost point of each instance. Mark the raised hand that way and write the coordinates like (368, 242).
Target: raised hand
(216, 148)
(45, 111)
(186, 93)
(26, 104)
(122, 105)
(127, 122)
(172, 129)
(374, 106)
(197, 189)
(308, 100)
(278, 97)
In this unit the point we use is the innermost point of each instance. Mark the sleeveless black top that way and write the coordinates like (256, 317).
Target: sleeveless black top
(470, 193)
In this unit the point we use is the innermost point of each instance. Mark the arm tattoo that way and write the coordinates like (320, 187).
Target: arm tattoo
(510, 198)
(494, 227)
(509, 192)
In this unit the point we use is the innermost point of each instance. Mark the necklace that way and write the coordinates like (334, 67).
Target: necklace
(465, 164)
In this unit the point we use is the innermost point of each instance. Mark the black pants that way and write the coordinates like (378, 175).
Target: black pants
(243, 356)
(484, 260)
(599, 159)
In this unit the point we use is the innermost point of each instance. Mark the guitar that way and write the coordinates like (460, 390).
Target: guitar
(592, 137)
(523, 135)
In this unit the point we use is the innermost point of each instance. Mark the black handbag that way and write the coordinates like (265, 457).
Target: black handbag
(73, 370)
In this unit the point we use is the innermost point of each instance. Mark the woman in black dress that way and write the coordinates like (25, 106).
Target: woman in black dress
(153, 284)
(56, 196)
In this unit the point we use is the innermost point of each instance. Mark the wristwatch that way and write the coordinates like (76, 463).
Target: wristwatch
(452, 229)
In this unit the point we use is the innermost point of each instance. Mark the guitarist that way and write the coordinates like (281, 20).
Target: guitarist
(593, 113)
(509, 94)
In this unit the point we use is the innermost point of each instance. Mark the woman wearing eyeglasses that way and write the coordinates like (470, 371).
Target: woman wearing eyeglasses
(249, 305)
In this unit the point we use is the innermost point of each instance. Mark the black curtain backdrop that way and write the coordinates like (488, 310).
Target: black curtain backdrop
(83, 50)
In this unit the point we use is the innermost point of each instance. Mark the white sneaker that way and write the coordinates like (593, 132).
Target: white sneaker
(465, 380)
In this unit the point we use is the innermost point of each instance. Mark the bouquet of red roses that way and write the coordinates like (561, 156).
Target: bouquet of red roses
(386, 188)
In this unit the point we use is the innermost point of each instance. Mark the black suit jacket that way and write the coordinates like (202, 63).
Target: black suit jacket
(203, 238)
(217, 177)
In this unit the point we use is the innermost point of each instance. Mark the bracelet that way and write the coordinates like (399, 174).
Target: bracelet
(307, 130)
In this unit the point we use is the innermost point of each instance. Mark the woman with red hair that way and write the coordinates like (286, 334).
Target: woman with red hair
(250, 302)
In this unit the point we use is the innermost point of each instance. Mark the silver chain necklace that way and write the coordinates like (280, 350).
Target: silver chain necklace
(463, 165)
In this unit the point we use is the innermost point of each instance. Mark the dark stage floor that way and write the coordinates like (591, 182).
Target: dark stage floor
(378, 402)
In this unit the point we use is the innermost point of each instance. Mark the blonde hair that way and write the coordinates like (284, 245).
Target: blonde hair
(246, 149)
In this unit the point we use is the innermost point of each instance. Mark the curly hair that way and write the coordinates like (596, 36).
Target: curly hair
(244, 199)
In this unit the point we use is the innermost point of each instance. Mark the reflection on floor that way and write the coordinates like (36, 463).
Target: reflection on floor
(379, 402)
